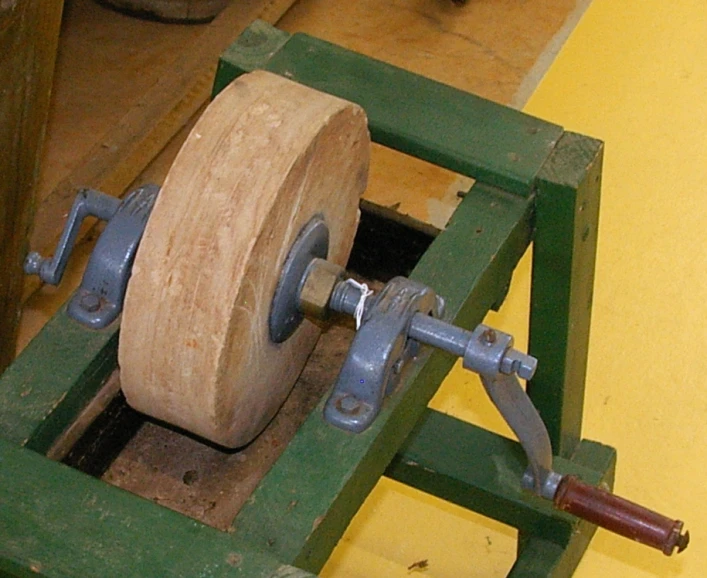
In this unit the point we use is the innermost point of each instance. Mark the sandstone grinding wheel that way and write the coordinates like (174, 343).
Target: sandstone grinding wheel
(265, 157)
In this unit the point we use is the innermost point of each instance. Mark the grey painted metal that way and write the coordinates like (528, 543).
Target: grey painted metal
(522, 417)
(548, 485)
(88, 203)
(485, 350)
(379, 352)
(490, 351)
(285, 313)
(99, 299)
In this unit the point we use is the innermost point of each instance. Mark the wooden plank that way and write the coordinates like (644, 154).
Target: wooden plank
(118, 156)
(435, 122)
(496, 49)
(55, 521)
(564, 253)
(53, 379)
(29, 31)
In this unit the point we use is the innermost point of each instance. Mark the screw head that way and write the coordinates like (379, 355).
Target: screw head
(489, 336)
(398, 366)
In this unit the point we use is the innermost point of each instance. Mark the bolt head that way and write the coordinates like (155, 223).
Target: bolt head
(348, 404)
(90, 302)
(489, 336)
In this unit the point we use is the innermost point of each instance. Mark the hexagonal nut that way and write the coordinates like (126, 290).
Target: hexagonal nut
(322, 277)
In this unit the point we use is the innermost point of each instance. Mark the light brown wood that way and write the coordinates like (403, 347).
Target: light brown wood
(29, 31)
(63, 444)
(266, 156)
(170, 10)
(487, 47)
(128, 125)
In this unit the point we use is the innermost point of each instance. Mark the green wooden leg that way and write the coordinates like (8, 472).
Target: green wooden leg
(564, 250)
(481, 471)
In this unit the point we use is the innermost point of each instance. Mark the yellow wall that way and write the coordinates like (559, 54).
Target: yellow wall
(635, 75)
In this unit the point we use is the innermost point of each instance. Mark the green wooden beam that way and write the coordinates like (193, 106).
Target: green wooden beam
(481, 471)
(564, 252)
(56, 522)
(407, 112)
(29, 34)
(300, 517)
(53, 379)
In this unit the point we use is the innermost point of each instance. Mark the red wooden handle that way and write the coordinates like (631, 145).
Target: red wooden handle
(620, 516)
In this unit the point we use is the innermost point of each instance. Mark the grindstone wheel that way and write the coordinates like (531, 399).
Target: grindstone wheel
(265, 157)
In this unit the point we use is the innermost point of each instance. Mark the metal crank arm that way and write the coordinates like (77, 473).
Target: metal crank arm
(99, 299)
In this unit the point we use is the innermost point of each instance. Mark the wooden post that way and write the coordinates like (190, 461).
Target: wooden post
(29, 32)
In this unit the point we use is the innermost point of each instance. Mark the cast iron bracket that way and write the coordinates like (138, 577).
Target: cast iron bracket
(99, 299)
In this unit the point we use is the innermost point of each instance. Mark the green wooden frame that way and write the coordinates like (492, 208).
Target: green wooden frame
(535, 183)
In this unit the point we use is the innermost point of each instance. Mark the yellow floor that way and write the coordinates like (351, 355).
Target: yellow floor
(635, 75)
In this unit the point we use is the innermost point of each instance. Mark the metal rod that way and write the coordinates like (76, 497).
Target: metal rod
(423, 328)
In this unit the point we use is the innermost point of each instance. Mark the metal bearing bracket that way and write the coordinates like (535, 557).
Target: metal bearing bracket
(380, 350)
(99, 299)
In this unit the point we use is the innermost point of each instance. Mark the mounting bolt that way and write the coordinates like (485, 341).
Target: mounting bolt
(398, 366)
(33, 263)
(91, 302)
(348, 404)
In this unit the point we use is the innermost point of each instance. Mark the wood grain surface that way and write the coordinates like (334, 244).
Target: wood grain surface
(106, 127)
(266, 156)
(29, 32)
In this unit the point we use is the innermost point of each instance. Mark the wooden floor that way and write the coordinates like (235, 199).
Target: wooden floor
(125, 87)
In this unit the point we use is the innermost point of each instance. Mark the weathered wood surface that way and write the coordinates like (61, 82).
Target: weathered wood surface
(29, 31)
(205, 482)
(267, 155)
(139, 126)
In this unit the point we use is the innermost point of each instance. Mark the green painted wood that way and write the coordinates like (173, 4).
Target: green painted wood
(481, 471)
(306, 501)
(57, 522)
(541, 558)
(567, 216)
(53, 379)
(407, 112)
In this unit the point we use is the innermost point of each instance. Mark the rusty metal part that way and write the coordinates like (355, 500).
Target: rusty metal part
(317, 287)
(620, 516)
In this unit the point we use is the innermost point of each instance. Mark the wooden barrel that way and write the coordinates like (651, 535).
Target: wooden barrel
(194, 11)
